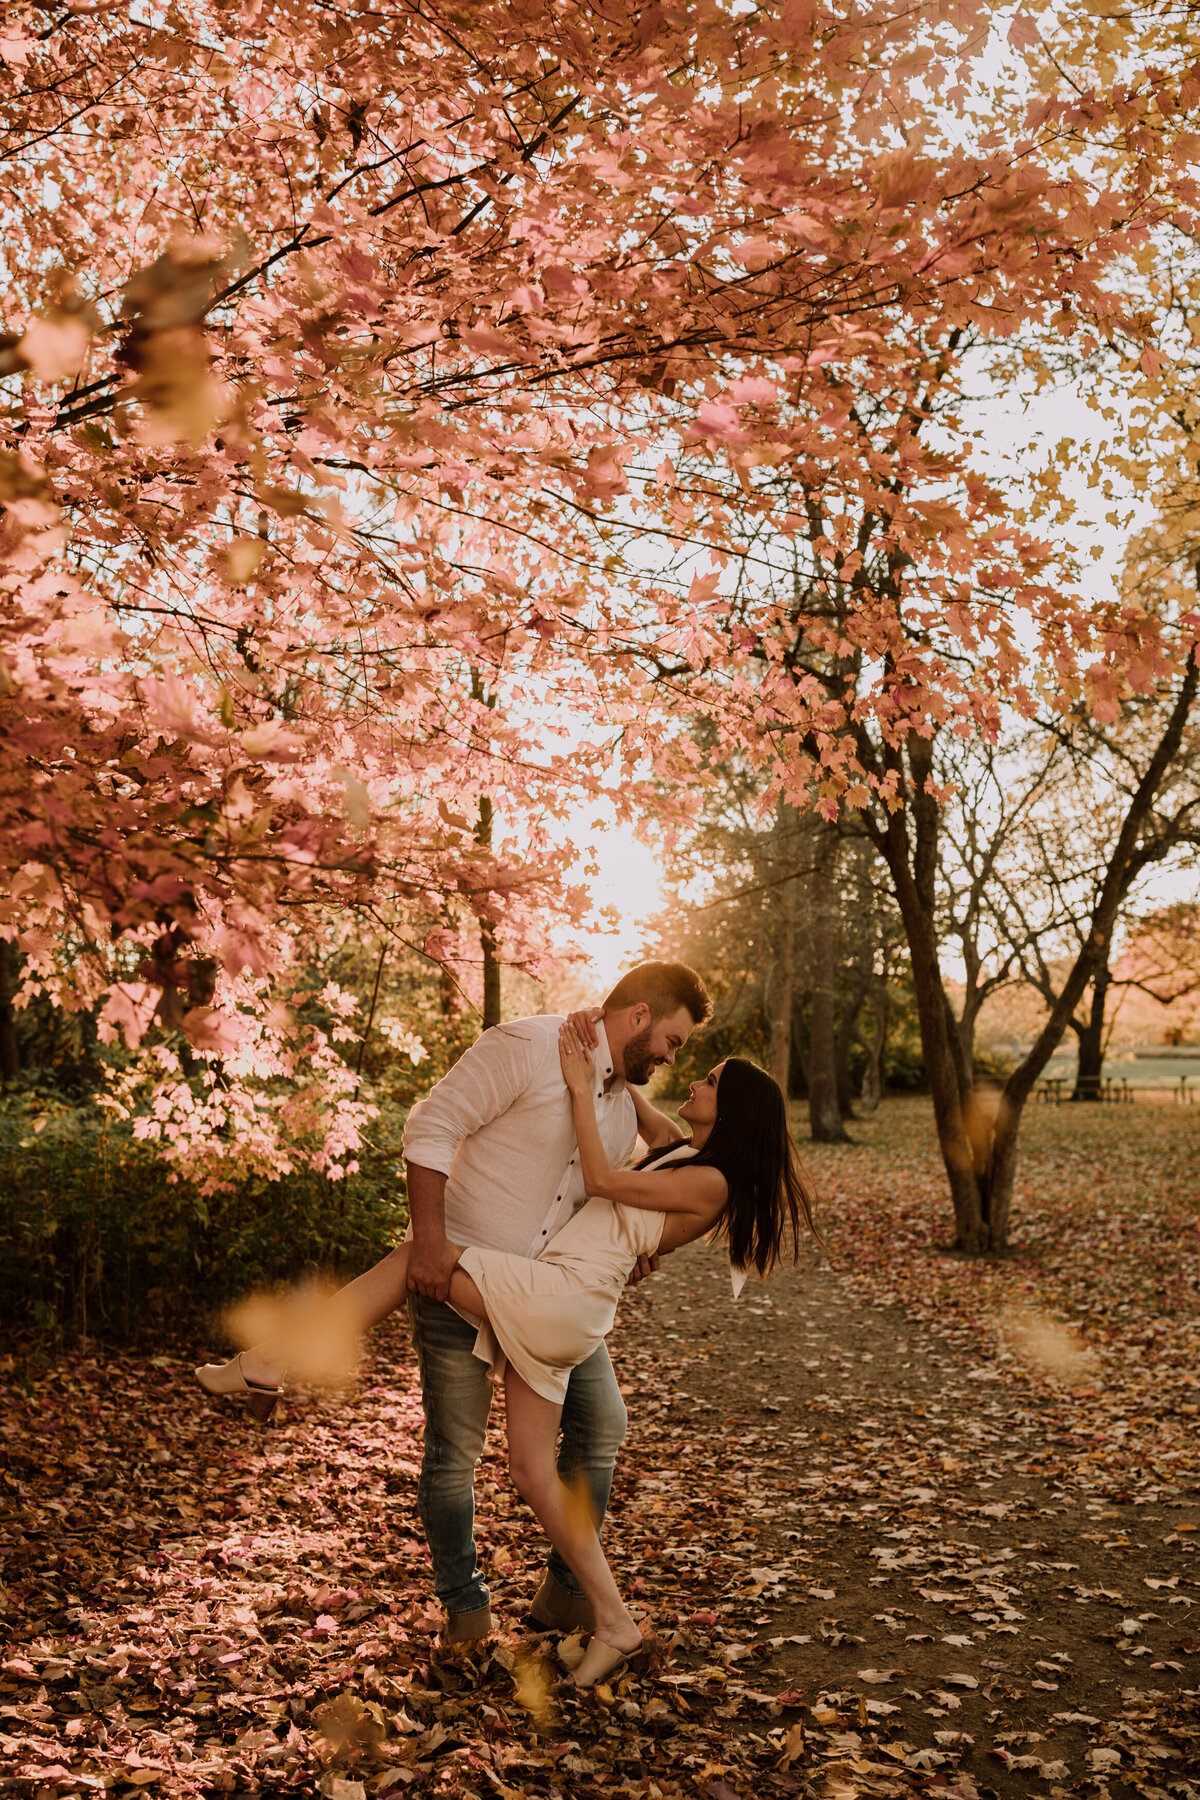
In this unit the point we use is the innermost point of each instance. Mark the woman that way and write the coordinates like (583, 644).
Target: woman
(737, 1176)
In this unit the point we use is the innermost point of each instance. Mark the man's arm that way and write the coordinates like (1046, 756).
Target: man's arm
(433, 1257)
(483, 1083)
(654, 1128)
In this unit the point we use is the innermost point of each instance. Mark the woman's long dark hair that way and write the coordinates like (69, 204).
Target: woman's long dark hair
(751, 1146)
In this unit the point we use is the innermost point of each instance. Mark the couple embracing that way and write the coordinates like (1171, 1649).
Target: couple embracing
(526, 1225)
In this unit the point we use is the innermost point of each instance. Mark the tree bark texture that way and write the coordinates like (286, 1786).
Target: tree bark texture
(1089, 1069)
(487, 930)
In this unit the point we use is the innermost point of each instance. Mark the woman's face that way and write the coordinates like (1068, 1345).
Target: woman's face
(700, 1107)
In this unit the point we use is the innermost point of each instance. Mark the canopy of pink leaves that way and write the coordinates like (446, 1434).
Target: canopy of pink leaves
(340, 342)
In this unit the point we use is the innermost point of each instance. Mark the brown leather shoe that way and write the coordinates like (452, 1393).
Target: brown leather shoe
(556, 1608)
(467, 1628)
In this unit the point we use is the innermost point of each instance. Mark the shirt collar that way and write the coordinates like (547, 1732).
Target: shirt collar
(602, 1060)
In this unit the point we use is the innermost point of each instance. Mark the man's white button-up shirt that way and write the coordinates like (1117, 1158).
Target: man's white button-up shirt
(500, 1127)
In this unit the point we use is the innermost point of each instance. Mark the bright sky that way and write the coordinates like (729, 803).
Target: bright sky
(629, 883)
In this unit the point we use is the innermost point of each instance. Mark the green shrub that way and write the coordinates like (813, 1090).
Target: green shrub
(95, 1238)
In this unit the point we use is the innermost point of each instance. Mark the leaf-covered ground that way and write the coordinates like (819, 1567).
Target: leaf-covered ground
(903, 1524)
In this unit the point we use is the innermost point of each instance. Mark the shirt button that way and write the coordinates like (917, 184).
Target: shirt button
(543, 1234)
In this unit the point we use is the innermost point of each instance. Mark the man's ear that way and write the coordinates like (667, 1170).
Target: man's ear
(639, 1017)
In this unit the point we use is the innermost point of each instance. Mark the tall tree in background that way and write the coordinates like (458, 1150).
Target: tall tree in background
(824, 1105)
(781, 985)
(1047, 884)
(740, 908)
(927, 600)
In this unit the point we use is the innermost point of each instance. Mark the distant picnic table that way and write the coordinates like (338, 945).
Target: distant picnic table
(1116, 1090)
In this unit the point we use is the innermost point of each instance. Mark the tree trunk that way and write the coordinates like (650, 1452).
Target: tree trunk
(997, 1178)
(1090, 1066)
(783, 976)
(913, 869)
(10, 1056)
(965, 1031)
(487, 929)
(979, 1144)
(824, 1112)
(488, 946)
(491, 974)
(845, 1043)
(941, 1050)
(872, 1087)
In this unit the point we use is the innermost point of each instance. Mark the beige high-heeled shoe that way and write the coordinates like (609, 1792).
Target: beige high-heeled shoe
(600, 1660)
(227, 1380)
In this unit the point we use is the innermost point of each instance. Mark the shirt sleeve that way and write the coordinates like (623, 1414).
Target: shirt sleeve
(483, 1083)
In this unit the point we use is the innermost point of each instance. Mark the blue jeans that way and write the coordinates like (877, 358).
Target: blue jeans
(457, 1395)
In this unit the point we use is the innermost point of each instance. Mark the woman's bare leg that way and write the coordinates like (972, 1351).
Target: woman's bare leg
(532, 1443)
(353, 1310)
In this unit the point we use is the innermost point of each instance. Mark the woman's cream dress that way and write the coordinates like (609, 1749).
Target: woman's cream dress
(545, 1317)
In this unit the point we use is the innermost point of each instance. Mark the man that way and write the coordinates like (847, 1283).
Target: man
(492, 1160)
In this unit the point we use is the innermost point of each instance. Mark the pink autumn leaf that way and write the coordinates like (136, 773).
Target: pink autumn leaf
(209, 1029)
(753, 390)
(1023, 33)
(171, 703)
(703, 588)
(128, 1009)
(717, 417)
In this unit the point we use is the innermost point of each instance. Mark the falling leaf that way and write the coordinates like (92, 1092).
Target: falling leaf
(54, 347)
(183, 401)
(242, 558)
(316, 1338)
(535, 1688)
(1052, 1348)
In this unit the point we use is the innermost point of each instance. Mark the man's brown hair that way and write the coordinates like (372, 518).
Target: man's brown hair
(664, 987)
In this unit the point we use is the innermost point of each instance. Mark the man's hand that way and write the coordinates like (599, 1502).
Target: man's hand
(431, 1263)
(645, 1265)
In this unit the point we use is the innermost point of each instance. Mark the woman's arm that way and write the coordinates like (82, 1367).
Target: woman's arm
(654, 1128)
(699, 1191)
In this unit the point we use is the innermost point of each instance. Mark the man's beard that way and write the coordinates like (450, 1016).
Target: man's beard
(640, 1060)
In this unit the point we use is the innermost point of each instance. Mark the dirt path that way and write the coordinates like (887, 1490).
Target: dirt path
(932, 1598)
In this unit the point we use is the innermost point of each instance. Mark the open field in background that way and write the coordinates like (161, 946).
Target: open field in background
(1154, 1068)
